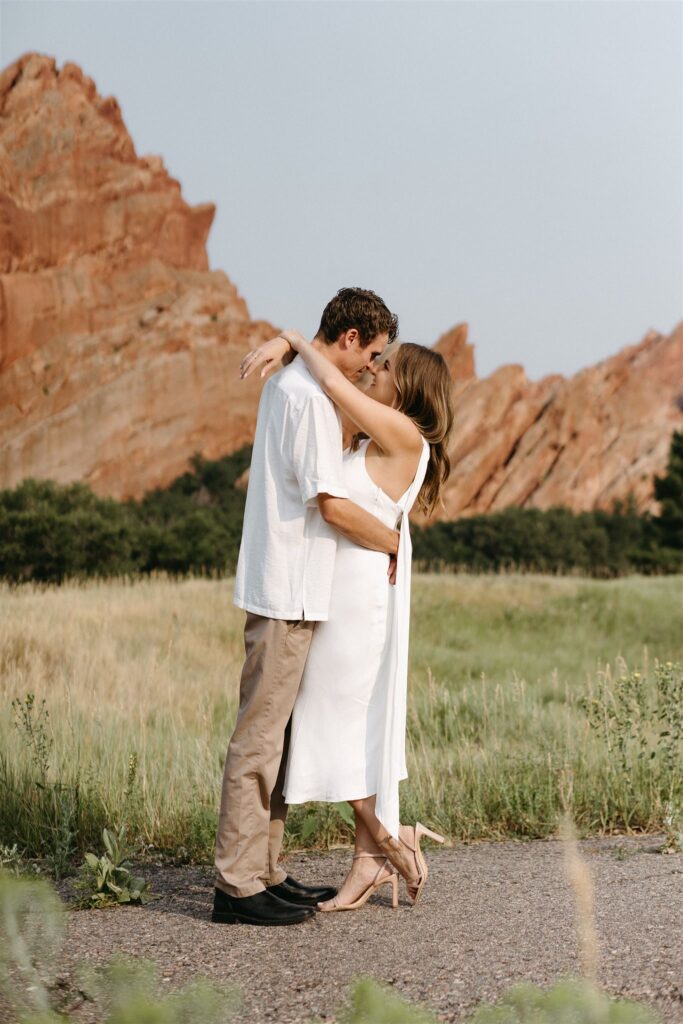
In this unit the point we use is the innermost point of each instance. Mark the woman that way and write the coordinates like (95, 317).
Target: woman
(348, 725)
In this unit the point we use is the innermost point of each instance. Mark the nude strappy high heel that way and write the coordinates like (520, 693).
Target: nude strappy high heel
(392, 878)
(394, 853)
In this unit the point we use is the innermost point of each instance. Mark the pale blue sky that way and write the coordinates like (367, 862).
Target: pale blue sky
(514, 164)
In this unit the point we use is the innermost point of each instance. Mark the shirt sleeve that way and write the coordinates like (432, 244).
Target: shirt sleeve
(316, 451)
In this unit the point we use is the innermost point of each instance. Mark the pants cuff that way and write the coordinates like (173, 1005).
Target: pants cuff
(277, 877)
(239, 891)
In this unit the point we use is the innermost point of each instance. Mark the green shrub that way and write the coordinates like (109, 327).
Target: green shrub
(599, 543)
(50, 532)
(556, 540)
(669, 493)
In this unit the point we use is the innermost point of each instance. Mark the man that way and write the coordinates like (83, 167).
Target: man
(296, 501)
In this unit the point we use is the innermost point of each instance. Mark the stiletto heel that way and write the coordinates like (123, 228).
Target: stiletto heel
(394, 889)
(394, 853)
(375, 884)
(422, 830)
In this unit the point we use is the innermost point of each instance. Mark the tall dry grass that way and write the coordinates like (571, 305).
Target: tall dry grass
(140, 687)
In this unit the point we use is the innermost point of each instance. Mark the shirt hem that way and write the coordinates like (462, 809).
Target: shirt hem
(278, 613)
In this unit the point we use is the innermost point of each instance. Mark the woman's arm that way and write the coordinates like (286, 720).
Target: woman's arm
(393, 432)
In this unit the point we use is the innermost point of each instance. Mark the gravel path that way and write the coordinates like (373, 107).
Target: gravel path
(492, 914)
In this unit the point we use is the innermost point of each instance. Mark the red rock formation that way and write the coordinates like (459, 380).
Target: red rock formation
(458, 354)
(119, 348)
(583, 442)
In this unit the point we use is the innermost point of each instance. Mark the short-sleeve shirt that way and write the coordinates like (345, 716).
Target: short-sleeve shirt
(287, 554)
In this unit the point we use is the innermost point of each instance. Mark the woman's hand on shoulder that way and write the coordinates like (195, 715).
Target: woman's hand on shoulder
(270, 353)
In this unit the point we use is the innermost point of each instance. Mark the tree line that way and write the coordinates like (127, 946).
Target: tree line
(51, 532)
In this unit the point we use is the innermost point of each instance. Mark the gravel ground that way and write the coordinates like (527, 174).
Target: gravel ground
(491, 914)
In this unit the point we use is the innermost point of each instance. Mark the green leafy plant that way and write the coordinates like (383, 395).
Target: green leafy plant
(108, 880)
(326, 822)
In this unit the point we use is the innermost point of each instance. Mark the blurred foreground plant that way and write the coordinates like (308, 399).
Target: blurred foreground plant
(31, 925)
(570, 1001)
(125, 991)
(370, 1003)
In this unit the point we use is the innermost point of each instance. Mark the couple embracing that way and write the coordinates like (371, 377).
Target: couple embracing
(324, 577)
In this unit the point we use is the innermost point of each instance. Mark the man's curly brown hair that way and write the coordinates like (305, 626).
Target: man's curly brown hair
(359, 308)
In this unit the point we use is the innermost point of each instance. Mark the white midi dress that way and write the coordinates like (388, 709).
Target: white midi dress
(348, 726)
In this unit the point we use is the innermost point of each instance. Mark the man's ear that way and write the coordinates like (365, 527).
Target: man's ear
(349, 339)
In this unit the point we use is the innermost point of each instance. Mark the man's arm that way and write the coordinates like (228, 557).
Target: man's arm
(358, 525)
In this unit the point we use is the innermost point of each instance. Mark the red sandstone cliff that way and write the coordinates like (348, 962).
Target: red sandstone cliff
(585, 441)
(119, 348)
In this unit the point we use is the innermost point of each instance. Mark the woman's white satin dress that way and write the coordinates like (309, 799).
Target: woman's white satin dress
(348, 725)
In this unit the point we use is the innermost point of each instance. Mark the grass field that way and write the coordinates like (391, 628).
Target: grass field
(525, 692)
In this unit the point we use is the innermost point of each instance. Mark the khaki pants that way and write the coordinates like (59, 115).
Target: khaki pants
(251, 822)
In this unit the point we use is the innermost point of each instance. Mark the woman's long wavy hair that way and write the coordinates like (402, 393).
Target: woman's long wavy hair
(425, 394)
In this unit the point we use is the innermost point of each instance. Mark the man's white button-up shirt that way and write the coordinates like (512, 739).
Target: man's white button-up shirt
(287, 554)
